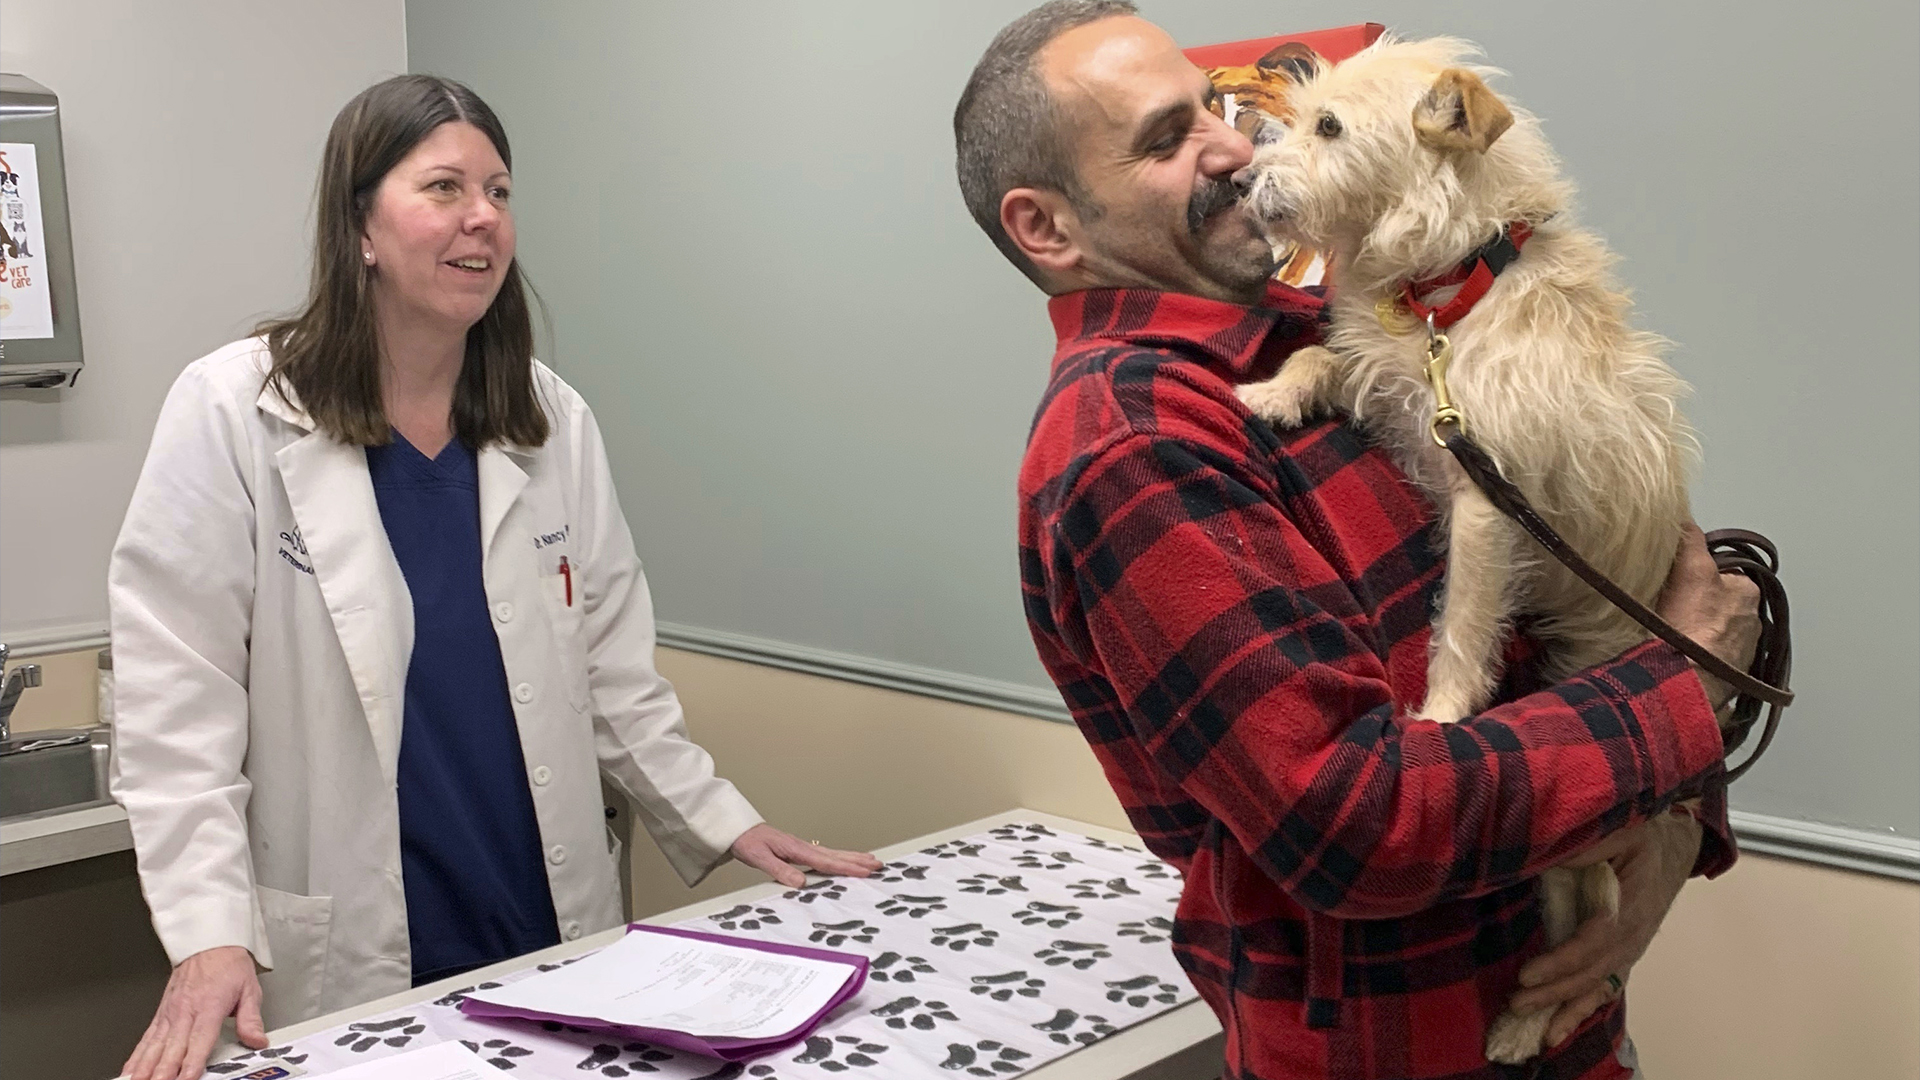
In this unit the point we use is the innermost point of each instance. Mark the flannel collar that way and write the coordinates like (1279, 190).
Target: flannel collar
(1247, 342)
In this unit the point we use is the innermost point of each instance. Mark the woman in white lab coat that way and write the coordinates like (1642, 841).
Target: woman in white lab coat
(379, 626)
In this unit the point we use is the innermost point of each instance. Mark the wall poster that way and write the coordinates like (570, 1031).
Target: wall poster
(26, 305)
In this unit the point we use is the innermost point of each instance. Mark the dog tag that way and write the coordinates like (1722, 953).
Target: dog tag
(1394, 317)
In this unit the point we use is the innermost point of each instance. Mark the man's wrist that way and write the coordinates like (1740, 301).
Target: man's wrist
(1719, 691)
(1688, 834)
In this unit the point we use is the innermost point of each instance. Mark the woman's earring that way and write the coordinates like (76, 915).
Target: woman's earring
(367, 255)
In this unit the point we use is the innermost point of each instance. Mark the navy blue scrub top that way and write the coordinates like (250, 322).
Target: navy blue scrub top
(470, 851)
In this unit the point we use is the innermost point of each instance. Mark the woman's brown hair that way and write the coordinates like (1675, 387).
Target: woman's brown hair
(328, 355)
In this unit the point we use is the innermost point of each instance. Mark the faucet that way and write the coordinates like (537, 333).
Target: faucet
(18, 681)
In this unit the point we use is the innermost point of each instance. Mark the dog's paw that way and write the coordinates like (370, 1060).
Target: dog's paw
(1285, 401)
(1516, 1038)
(1443, 710)
(1304, 388)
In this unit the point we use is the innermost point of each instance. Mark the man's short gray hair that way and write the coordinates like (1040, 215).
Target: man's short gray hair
(1006, 129)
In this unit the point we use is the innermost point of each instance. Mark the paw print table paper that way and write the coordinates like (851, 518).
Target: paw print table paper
(991, 956)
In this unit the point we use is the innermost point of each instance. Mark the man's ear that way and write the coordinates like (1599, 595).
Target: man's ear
(1043, 226)
(1459, 113)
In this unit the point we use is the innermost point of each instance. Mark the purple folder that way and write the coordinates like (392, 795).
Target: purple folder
(724, 1048)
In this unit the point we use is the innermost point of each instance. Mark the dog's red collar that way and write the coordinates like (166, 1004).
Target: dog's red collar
(1474, 276)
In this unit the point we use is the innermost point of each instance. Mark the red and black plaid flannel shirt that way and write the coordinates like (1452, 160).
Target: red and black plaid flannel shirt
(1238, 620)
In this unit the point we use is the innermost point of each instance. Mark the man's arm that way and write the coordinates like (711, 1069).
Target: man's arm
(1197, 599)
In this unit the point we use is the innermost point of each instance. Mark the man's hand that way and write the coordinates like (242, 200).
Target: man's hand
(204, 990)
(1652, 862)
(780, 855)
(1720, 611)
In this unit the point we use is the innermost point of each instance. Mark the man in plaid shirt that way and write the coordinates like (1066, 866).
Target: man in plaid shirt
(1237, 618)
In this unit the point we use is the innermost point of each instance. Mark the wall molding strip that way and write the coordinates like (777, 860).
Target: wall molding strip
(887, 674)
(1842, 847)
(26, 644)
(1864, 850)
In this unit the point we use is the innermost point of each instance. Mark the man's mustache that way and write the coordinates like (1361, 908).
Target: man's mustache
(1215, 195)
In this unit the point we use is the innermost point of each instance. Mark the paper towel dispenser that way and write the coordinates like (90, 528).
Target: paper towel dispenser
(39, 304)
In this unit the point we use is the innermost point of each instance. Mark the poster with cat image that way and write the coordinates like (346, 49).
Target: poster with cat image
(1251, 83)
(26, 305)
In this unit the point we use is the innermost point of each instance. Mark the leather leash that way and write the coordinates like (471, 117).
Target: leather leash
(1735, 551)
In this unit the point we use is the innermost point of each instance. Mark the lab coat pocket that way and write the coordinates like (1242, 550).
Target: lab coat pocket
(564, 608)
(299, 932)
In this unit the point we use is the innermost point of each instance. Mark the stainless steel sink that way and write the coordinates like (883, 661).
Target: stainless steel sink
(46, 772)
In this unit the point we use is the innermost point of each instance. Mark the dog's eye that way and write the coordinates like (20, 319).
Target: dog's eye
(1329, 126)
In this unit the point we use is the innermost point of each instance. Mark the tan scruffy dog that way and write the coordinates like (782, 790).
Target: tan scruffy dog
(1404, 165)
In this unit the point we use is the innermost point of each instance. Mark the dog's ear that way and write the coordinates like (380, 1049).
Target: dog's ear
(1459, 113)
(1294, 59)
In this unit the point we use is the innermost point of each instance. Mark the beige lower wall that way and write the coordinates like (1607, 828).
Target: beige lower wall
(1776, 971)
(858, 767)
(68, 694)
(1783, 970)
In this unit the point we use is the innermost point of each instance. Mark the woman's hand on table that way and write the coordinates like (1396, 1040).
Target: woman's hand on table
(204, 990)
(785, 858)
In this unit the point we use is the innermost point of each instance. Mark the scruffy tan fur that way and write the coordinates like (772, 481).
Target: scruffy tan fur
(1579, 409)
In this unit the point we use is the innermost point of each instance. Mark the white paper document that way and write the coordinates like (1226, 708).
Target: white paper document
(681, 984)
(441, 1061)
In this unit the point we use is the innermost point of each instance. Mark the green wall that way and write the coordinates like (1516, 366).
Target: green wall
(816, 376)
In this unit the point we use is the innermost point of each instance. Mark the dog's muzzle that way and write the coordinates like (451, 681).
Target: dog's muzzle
(1260, 195)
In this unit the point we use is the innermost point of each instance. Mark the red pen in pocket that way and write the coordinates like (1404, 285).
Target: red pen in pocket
(566, 574)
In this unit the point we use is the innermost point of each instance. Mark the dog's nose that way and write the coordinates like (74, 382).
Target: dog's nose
(1243, 179)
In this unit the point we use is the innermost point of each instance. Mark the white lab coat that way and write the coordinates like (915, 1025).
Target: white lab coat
(261, 637)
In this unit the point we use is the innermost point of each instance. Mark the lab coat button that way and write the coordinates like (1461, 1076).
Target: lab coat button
(557, 855)
(503, 611)
(542, 774)
(523, 693)
(573, 930)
